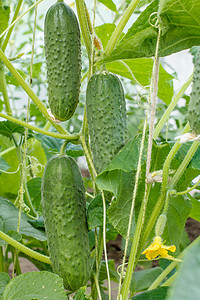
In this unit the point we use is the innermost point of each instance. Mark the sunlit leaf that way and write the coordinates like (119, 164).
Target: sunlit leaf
(110, 4)
(35, 285)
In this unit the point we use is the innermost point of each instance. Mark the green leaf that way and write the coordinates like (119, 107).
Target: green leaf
(10, 79)
(186, 285)
(157, 294)
(142, 280)
(95, 213)
(9, 215)
(81, 294)
(180, 27)
(103, 272)
(4, 17)
(177, 214)
(50, 145)
(74, 150)
(105, 31)
(142, 70)
(4, 166)
(8, 128)
(110, 4)
(195, 211)
(35, 285)
(34, 188)
(4, 280)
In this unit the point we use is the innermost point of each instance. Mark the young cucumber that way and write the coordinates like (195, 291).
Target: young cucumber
(64, 207)
(194, 105)
(63, 59)
(106, 114)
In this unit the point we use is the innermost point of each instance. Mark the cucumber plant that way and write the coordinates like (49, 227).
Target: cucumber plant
(49, 214)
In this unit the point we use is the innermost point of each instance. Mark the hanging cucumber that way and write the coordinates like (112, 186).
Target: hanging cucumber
(194, 105)
(64, 207)
(106, 114)
(63, 59)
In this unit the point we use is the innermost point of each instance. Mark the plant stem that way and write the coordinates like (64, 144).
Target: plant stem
(30, 92)
(7, 38)
(171, 106)
(188, 190)
(42, 131)
(171, 279)
(7, 150)
(134, 247)
(80, 6)
(161, 199)
(1, 260)
(24, 249)
(184, 164)
(4, 90)
(122, 23)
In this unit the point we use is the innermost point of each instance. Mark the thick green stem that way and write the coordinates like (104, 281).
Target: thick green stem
(5, 43)
(30, 92)
(134, 247)
(1, 260)
(184, 164)
(80, 6)
(122, 23)
(66, 136)
(24, 249)
(4, 90)
(162, 197)
(171, 106)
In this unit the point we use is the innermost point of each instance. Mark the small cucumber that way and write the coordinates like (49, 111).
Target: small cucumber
(194, 105)
(64, 207)
(106, 114)
(63, 59)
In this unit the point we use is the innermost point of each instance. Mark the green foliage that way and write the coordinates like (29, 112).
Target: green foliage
(158, 294)
(9, 215)
(4, 280)
(188, 275)
(110, 4)
(142, 280)
(179, 24)
(35, 285)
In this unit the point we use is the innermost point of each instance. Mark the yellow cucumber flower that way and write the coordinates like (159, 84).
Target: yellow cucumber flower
(158, 249)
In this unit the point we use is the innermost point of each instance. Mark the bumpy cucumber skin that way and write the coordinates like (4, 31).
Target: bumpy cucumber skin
(106, 114)
(63, 59)
(64, 207)
(194, 105)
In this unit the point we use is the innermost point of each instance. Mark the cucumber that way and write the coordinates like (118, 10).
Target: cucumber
(194, 105)
(63, 59)
(106, 115)
(64, 208)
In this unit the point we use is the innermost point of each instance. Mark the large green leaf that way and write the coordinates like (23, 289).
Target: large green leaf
(105, 31)
(177, 214)
(195, 211)
(157, 294)
(186, 286)
(9, 215)
(8, 128)
(35, 285)
(4, 166)
(180, 24)
(4, 280)
(142, 70)
(141, 280)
